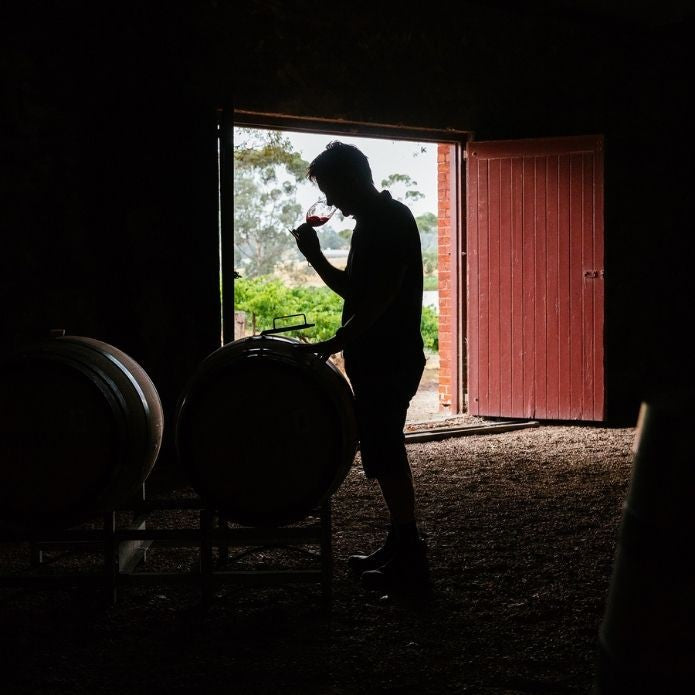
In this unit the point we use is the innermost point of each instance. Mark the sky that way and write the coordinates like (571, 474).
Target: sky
(385, 157)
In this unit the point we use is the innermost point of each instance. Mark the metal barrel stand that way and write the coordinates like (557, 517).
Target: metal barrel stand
(124, 550)
(236, 543)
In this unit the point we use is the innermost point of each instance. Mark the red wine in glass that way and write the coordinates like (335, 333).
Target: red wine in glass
(319, 213)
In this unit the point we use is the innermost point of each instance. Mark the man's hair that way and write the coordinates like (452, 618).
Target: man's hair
(340, 161)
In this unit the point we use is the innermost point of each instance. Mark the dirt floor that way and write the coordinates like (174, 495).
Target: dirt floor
(521, 529)
(425, 404)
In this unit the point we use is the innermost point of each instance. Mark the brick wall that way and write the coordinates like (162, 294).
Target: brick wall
(447, 353)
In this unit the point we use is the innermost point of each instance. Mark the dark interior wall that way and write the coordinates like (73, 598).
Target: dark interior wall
(108, 168)
(109, 175)
(460, 65)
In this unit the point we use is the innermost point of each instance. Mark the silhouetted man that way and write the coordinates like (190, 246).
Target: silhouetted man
(382, 348)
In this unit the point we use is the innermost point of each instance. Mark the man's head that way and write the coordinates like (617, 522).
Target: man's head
(343, 174)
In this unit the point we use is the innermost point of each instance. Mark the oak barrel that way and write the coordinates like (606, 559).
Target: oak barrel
(80, 430)
(647, 636)
(265, 434)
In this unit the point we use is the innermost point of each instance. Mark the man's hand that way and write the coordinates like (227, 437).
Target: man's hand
(324, 349)
(307, 240)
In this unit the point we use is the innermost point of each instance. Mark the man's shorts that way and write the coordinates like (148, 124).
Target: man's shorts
(381, 403)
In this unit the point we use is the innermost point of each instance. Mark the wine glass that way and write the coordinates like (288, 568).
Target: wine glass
(319, 213)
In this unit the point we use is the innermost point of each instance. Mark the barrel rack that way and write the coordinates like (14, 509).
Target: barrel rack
(124, 550)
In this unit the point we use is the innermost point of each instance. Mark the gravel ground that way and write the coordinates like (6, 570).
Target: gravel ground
(521, 529)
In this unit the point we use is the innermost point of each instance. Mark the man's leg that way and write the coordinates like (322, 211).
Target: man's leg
(406, 570)
(384, 457)
(399, 495)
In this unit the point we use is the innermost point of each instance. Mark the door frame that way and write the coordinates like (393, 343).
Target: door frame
(456, 138)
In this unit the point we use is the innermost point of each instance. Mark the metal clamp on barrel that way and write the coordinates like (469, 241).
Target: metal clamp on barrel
(296, 327)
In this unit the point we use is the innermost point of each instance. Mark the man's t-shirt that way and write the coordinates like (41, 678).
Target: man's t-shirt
(385, 239)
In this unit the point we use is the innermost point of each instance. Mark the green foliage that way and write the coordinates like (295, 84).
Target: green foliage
(429, 327)
(430, 282)
(429, 234)
(427, 223)
(402, 181)
(263, 150)
(269, 298)
(430, 261)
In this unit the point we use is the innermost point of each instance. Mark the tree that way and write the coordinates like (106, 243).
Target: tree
(267, 171)
(394, 182)
(427, 224)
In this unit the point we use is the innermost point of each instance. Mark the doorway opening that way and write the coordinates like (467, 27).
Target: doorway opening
(270, 194)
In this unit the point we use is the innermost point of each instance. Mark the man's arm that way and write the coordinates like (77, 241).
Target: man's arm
(308, 244)
(335, 278)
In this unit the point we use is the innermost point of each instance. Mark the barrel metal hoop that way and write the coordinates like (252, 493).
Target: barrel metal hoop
(124, 370)
(146, 443)
(149, 438)
(136, 386)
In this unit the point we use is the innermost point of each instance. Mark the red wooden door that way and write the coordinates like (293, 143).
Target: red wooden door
(535, 274)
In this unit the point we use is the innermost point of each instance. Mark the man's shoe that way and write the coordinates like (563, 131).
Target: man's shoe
(359, 564)
(407, 572)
